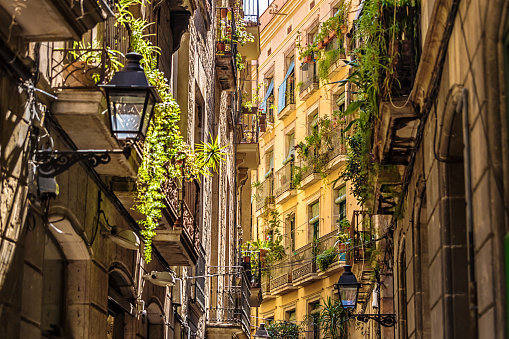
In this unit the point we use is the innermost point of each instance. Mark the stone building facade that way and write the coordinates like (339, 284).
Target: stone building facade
(61, 275)
(448, 247)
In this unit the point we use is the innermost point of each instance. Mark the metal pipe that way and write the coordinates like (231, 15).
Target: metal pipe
(463, 107)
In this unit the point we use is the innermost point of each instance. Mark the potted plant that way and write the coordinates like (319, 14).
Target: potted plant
(326, 258)
(320, 45)
(332, 34)
(220, 46)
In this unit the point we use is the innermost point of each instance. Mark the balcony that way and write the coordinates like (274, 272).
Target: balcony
(281, 277)
(362, 232)
(304, 269)
(265, 288)
(251, 50)
(226, 48)
(264, 195)
(247, 145)
(310, 174)
(198, 286)
(232, 316)
(335, 148)
(396, 132)
(289, 99)
(310, 81)
(179, 241)
(54, 20)
(326, 242)
(284, 184)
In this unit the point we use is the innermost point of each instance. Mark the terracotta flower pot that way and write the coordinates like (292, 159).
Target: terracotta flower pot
(79, 74)
(308, 59)
(332, 34)
(224, 12)
(344, 29)
(220, 46)
(327, 40)
(321, 45)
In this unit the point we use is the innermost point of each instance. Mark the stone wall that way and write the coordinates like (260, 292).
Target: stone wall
(431, 241)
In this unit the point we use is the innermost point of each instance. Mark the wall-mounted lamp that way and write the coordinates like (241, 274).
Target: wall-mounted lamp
(124, 238)
(348, 290)
(160, 278)
(261, 332)
(131, 101)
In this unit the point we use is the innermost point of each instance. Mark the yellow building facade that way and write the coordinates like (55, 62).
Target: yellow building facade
(304, 194)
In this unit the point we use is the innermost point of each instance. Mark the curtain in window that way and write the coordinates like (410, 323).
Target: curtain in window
(270, 89)
(282, 89)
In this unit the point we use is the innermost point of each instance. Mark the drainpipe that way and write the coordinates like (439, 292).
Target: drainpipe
(463, 107)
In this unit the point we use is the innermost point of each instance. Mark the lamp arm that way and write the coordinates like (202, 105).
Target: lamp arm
(386, 320)
(52, 163)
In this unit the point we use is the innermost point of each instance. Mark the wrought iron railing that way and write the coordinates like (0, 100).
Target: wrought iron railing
(80, 68)
(334, 143)
(234, 308)
(226, 32)
(283, 180)
(290, 91)
(198, 296)
(309, 76)
(362, 233)
(249, 125)
(251, 13)
(264, 193)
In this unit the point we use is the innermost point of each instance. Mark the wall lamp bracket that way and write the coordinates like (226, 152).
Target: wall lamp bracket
(386, 320)
(52, 163)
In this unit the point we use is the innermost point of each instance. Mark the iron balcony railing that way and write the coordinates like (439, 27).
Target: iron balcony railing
(181, 200)
(249, 126)
(264, 193)
(226, 32)
(290, 90)
(283, 180)
(251, 11)
(233, 306)
(362, 234)
(333, 144)
(309, 76)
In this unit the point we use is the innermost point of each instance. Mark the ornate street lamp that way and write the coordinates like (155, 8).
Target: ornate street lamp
(261, 332)
(348, 290)
(131, 102)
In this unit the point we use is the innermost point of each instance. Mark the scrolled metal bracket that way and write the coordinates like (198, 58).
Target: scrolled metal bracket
(386, 320)
(52, 163)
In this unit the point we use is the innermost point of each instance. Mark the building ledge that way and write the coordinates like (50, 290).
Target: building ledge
(306, 93)
(309, 180)
(286, 195)
(304, 274)
(286, 111)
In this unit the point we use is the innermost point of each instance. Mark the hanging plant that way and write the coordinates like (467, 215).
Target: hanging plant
(164, 146)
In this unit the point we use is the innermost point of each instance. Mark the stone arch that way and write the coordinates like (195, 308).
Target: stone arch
(402, 287)
(65, 229)
(121, 299)
(453, 254)
(421, 265)
(156, 319)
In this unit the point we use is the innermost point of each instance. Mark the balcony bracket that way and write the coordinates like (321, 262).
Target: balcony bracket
(179, 25)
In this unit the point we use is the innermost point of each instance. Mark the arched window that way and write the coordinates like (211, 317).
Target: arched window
(53, 289)
(119, 307)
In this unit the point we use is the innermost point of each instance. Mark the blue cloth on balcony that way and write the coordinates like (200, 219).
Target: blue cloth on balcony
(282, 89)
(270, 89)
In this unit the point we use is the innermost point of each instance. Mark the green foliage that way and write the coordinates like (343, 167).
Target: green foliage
(357, 166)
(326, 258)
(284, 330)
(274, 246)
(164, 149)
(331, 319)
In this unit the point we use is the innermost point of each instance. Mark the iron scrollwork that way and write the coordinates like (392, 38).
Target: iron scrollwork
(52, 163)
(386, 320)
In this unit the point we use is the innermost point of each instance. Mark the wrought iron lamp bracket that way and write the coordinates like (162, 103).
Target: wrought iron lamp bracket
(386, 320)
(52, 163)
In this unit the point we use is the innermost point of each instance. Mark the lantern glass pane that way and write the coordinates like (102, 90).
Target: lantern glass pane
(148, 114)
(127, 114)
(348, 295)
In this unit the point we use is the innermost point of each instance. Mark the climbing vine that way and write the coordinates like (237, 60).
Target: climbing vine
(164, 148)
